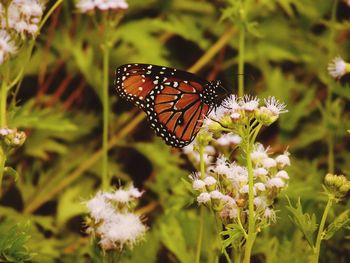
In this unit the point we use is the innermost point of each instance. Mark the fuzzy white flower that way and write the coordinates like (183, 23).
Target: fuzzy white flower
(231, 103)
(7, 46)
(260, 187)
(259, 153)
(270, 215)
(275, 182)
(216, 194)
(260, 172)
(249, 103)
(228, 200)
(121, 230)
(235, 116)
(269, 163)
(209, 180)
(23, 16)
(245, 189)
(222, 167)
(275, 106)
(6, 131)
(283, 160)
(134, 192)
(228, 139)
(198, 184)
(120, 195)
(218, 113)
(99, 208)
(338, 67)
(282, 174)
(203, 198)
(260, 202)
(85, 6)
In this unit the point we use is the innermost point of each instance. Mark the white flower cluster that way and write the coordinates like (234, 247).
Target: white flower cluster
(7, 46)
(19, 18)
(23, 16)
(85, 6)
(12, 137)
(338, 67)
(112, 221)
(238, 110)
(225, 187)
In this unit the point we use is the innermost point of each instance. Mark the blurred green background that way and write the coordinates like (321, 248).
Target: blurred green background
(288, 46)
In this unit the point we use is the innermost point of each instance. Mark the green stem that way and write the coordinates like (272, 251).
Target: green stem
(251, 217)
(320, 230)
(3, 103)
(201, 217)
(330, 144)
(48, 14)
(2, 166)
(241, 62)
(105, 101)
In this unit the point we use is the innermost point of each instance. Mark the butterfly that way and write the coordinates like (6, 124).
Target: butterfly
(175, 101)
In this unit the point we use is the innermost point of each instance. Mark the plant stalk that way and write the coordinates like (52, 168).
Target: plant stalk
(241, 61)
(2, 166)
(105, 99)
(251, 217)
(320, 230)
(3, 103)
(201, 217)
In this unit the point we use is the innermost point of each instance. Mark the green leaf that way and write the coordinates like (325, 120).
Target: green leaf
(304, 221)
(29, 116)
(9, 171)
(13, 241)
(341, 221)
(232, 235)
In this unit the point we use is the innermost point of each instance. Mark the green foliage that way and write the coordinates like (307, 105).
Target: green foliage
(341, 221)
(288, 46)
(304, 221)
(13, 242)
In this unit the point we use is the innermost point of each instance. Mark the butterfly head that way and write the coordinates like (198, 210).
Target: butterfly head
(213, 92)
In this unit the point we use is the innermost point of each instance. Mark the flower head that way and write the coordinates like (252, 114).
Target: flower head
(85, 6)
(249, 103)
(23, 16)
(338, 67)
(115, 226)
(7, 46)
(274, 106)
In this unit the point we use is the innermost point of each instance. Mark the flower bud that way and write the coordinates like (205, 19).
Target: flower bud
(337, 185)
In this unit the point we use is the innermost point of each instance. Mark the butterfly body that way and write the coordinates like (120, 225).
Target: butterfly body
(175, 101)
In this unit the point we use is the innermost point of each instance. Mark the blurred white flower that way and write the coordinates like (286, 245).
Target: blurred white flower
(203, 198)
(275, 182)
(338, 67)
(259, 202)
(231, 103)
(216, 194)
(23, 16)
(99, 208)
(282, 174)
(270, 215)
(274, 106)
(260, 172)
(249, 103)
(228, 139)
(283, 160)
(269, 163)
(85, 6)
(121, 230)
(115, 226)
(209, 180)
(7, 46)
(198, 184)
(260, 187)
(245, 189)
(259, 153)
